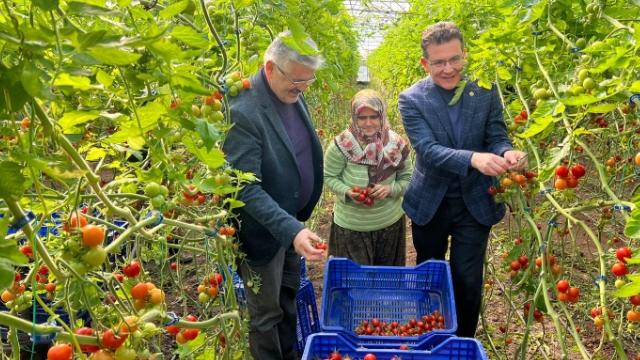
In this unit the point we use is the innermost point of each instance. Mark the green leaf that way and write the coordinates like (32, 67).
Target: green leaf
(73, 118)
(582, 99)
(244, 3)
(632, 229)
(213, 158)
(536, 125)
(601, 109)
(174, 9)
(82, 8)
(149, 115)
(298, 40)
(12, 182)
(188, 82)
(534, 13)
(10, 253)
(628, 290)
(504, 74)
(189, 36)
(233, 204)
(7, 274)
(76, 82)
(90, 39)
(208, 133)
(596, 47)
(103, 78)
(96, 154)
(111, 56)
(46, 5)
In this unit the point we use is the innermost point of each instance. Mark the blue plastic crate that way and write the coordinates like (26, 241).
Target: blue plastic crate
(353, 293)
(320, 346)
(308, 321)
(42, 317)
(303, 269)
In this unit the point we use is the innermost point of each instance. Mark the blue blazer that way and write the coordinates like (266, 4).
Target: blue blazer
(258, 143)
(438, 160)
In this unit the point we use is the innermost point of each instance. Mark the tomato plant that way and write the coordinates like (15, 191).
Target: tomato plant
(552, 65)
(110, 146)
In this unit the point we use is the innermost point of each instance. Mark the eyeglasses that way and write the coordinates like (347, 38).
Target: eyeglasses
(454, 62)
(297, 83)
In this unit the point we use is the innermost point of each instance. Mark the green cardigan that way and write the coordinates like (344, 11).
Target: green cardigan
(341, 175)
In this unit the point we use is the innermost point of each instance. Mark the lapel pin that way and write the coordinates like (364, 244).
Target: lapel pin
(471, 93)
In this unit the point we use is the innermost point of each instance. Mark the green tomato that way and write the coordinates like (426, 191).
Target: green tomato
(540, 93)
(581, 43)
(18, 300)
(144, 354)
(583, 74)
(125, 353)
(205, 110)
(157, 201)
(195, 110)
(152, 189)
(620, 283)
(216, 105)
(149, 329)
(79, 267)
(95, 256)
(199, 143)
(229, 82)
(233, 91)
(217, 116)
(589, 84)
(203, 297)
(164, 191)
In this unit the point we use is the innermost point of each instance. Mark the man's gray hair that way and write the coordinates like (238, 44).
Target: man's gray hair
(281, 54)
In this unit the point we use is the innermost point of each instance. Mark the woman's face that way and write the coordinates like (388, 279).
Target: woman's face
(369, 121)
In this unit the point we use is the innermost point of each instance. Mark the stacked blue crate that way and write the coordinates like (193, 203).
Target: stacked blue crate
(437, 347)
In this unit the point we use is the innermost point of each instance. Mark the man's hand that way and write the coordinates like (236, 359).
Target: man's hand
(489, 164)
(302, 244)
(517, 159)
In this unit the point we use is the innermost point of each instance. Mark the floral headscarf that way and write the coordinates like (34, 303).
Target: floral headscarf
(384, 152)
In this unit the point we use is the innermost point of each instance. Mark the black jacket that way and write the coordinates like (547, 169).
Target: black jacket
(258, 143)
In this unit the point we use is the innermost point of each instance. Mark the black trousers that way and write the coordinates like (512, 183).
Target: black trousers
(273, 312)
(468, 248)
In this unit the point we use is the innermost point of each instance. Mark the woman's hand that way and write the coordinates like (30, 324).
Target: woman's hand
(380, 192)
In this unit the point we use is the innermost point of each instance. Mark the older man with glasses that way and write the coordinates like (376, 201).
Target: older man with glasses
(273, 137)
(458, 133)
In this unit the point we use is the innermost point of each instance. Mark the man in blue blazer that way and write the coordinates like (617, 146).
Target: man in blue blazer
(273, 137)
(458, 133)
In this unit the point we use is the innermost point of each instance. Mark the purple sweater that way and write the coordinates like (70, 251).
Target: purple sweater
(299, 136)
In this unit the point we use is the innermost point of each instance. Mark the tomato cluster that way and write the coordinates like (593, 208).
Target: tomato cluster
(620, 269)
(210, 287)
(184, 335)
(414, 327)
(146, 293)
(15, 297)
(566, 178)
(538, 315)
(336, 356)
(363, 196)
(598, 320)
(567, 293)
(507, 181)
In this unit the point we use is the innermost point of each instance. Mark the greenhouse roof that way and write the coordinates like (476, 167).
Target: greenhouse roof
(371, 19)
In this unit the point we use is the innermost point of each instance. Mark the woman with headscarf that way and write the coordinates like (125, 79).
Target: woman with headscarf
(368, 167)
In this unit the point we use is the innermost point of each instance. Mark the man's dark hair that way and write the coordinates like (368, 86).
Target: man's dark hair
(438, 34)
